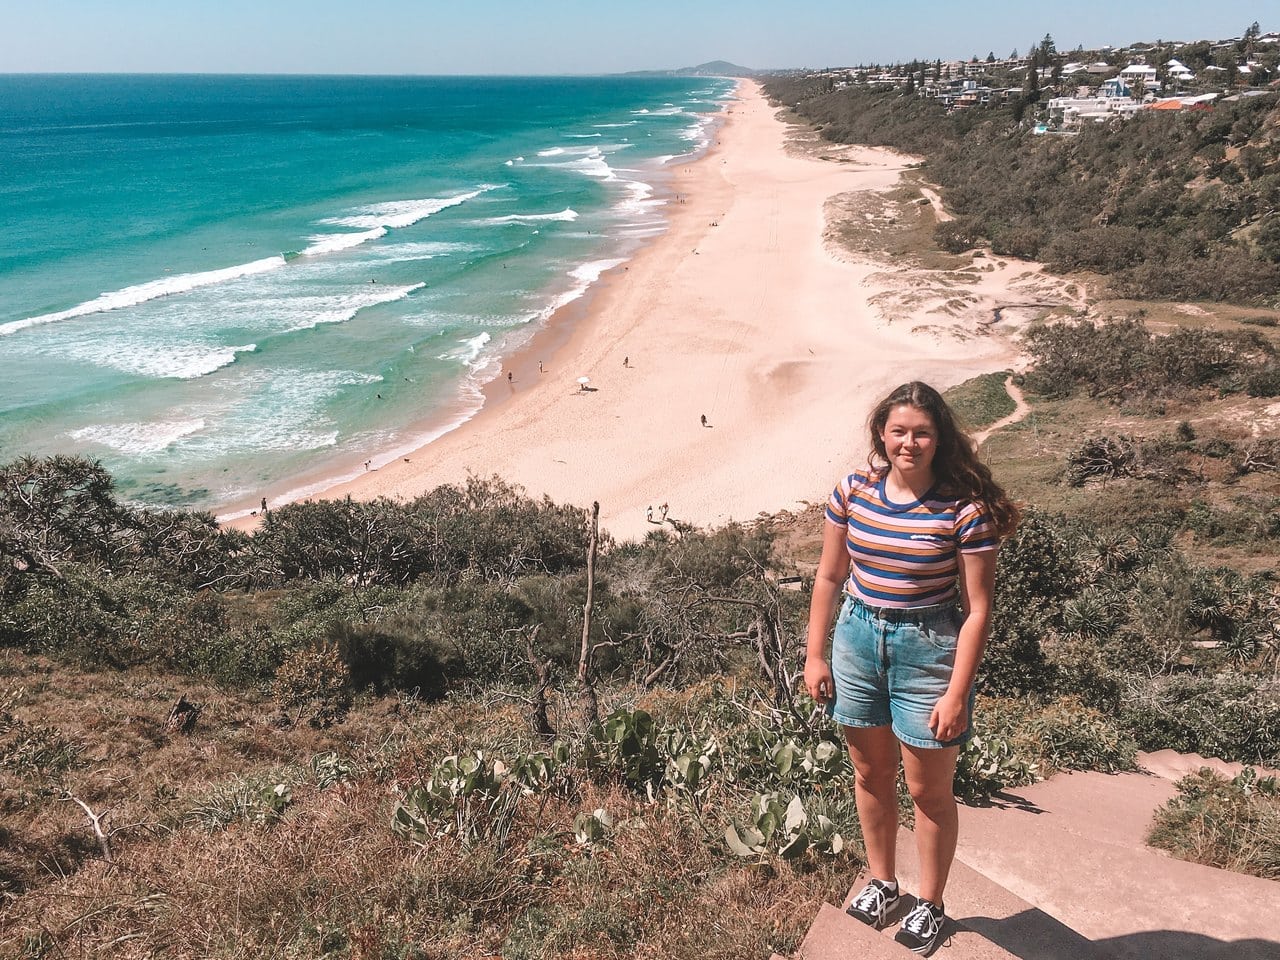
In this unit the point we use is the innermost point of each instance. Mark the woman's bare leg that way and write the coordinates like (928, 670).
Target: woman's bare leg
(874, 751)
(931, 780)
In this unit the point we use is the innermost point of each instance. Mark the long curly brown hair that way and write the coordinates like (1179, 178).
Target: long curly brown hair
(956, 467)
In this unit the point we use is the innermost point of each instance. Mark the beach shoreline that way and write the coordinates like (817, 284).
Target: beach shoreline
(532, 358)
(740, 312)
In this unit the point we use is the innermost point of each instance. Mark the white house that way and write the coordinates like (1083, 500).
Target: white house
(1069, 113)
(1139, 71)
(1179, 71)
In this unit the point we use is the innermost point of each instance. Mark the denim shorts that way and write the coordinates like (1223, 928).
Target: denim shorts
(891, 666)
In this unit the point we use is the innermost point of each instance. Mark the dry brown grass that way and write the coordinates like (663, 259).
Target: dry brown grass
(328, 877)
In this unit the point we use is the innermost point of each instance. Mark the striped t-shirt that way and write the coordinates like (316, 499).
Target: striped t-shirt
(905, 555)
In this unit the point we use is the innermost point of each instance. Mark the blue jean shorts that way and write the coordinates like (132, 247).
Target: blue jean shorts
(892, 666)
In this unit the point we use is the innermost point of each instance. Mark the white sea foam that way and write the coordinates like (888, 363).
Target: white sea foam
(468, 351)
(162, 361)
(567, 215)
(402, 213)
(589, 273)
(138, 439)
(608, 126)
(142, 292)
(512, 163)
(282, 410)
(323, 243)
(312, 311)
(421, 250)
(584, 276)
(583, 136)
(640, 200)
(553, 152)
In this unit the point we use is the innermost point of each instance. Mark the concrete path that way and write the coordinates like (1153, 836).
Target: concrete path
(1060, 870)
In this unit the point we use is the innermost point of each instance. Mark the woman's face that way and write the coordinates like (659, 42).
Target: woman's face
(910, 440)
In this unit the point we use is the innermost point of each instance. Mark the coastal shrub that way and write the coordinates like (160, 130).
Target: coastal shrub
(1230, 824)
(313, 685)
(1072, 736)
(55, 511)
(359, 542)
(1112, 200)
(98, 619)
(1037, 569)
(61, 510)
(495, 529)
(956, 236)
(1121, 358)
(487, 526)
(433, 638)
(1264, 382)
(1226, 715)
(981, 401)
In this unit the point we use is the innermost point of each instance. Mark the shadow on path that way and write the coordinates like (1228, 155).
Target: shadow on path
(1034, 935)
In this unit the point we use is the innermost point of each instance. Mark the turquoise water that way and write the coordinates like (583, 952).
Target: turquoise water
(215, 284)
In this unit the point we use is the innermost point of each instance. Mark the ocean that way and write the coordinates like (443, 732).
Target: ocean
(217, 284)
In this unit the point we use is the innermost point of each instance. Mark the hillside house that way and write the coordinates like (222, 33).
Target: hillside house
(1141, 72)
(1071, 113)
(1115, 87)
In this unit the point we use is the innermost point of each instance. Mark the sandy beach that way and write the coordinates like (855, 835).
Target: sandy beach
(740, 313)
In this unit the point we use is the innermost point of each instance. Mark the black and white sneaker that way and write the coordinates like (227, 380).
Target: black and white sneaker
(922, 929)
(874, 903)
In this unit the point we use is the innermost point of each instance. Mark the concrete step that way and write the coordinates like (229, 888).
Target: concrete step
(1070, 847)
(1174, 766)
(988, 922)
(834, 935)
(1074, 802)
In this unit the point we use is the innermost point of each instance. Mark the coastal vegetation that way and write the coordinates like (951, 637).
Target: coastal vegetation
(448, 727)
(1167, 205)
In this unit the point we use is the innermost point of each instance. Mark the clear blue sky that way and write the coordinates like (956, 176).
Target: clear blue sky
(565, 36)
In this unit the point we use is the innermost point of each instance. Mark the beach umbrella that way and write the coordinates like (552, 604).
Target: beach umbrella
(584, 380)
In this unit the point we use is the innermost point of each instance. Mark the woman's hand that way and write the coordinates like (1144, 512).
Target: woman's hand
(950, 716)
(817, 679)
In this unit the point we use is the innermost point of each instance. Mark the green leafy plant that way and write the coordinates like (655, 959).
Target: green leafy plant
(783, 827)
(330, 769)
(592, 828)
(988, 764)
(471, 797)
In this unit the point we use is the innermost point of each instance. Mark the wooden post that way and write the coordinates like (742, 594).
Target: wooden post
(587, 704)
(542, 670)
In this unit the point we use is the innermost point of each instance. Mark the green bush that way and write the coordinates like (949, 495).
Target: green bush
(1071, 736)
(313, 685)
(1226, 715)
(981, 401)
(1231, 824)
(93, 617)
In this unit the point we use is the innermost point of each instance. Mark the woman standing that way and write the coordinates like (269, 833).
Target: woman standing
(911, 543)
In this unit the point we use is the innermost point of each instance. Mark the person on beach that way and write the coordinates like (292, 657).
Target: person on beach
(910, 547)
(648, 513)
